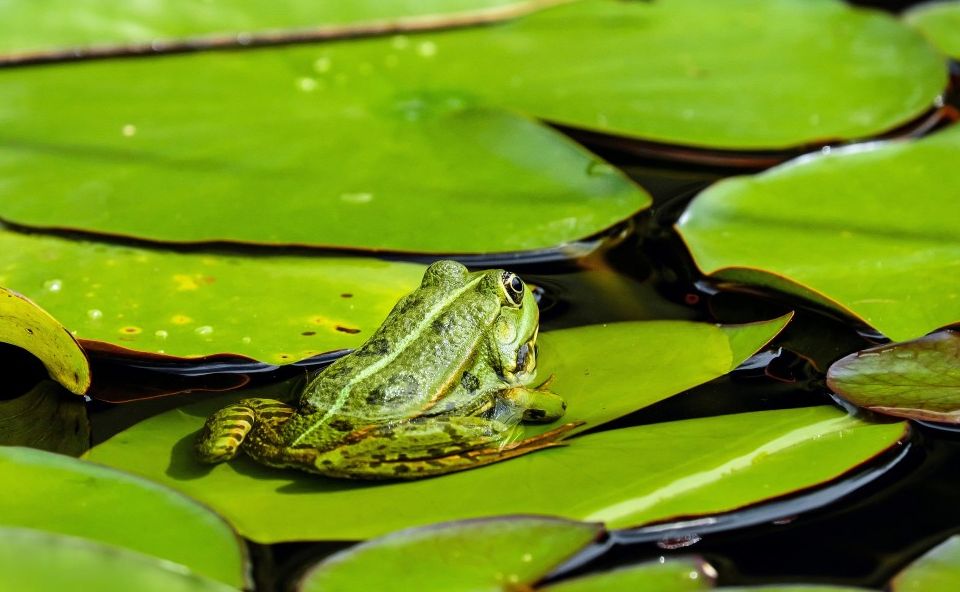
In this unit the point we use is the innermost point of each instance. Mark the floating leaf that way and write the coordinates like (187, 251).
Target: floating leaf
(742, 74)
(918, 379)
(939, 22)
(486, 180)
(35, 561)
(27, 326)
(60, 494)
(85, 23)
(938, 570)
(48, 418)
(276, 309)
(672, 575)
(833, 228)
(495, 555)
(609, 375)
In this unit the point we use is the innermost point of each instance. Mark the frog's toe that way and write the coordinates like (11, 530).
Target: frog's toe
(223, 433)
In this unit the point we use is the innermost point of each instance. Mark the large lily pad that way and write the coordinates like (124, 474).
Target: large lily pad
(346, 158)
(276, 309)
(625, 477)
(47, 417)
(742, 74)
(482, 555)
(940, 23)
(917, 379)
(870, 231)
(27, 28)
(938, 570)
(27, 326)
(671, 575)
(603, 372)
(60, 494)
(35, 561)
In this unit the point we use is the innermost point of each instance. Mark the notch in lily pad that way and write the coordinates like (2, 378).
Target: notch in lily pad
(918, 379)
(29, 327)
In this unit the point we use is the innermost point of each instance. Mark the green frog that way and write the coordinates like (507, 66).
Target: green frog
(441, 386)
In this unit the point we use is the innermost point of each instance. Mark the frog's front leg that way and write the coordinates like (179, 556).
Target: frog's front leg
(438, 446)
(225, 431)
(537, 404)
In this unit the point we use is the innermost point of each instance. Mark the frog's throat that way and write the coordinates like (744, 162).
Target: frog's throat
(402, 344)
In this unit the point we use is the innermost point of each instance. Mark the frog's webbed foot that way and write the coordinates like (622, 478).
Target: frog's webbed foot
(537, 404)
(413, 451)
(224, 431)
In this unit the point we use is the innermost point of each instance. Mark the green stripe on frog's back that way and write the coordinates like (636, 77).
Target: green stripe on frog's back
(380, 352)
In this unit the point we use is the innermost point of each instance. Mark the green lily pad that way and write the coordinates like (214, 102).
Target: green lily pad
(625, 477)
(793, 588)
(495, 555)
(603, 372)
(917, 379)
(338, 171)
(48, 418)
(27, 326)
(55, 493)
(84, 23)
(836, 229)
(938, 570)
(672, 575)
(276, 309)
(940, 23)
(35, 561)
(744, 75)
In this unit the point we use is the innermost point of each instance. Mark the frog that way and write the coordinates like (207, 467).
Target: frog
(443, 385)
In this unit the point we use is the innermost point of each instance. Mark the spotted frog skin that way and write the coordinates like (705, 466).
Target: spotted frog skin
(440, 387)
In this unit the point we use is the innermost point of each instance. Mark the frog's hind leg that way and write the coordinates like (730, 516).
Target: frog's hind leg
(224, 431)
(415, 450)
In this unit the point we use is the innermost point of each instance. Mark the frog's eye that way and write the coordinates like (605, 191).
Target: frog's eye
(513, 286)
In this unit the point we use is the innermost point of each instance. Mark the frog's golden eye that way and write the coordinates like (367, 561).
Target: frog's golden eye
(513, 287)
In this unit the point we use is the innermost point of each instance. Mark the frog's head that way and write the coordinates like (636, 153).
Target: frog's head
(514, 333)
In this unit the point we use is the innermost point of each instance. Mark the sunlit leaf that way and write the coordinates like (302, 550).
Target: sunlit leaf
(84, 23)
(47, 417)
(360, 163)
(483, 555)
(36, 561)
(712, 465)
(919, 379)
(56, 493)
(27, 326)
(276, 309)
(672, 575)
(939, 22)
(938, 570)
(837, 229)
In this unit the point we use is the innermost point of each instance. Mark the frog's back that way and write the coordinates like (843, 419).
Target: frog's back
(420, 351)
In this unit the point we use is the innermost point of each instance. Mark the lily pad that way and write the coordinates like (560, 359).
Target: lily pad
(86, 23)
(603, 372)
(917, 379)
(48, 418)
(338, 171)
(940, 23)
(27, 326)
(276, 309)
(834, 228)
(742, 75)
(672, 575)
(35, 561)
(625, 477)
(482, 555)
(63, 495)
(938, 570)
